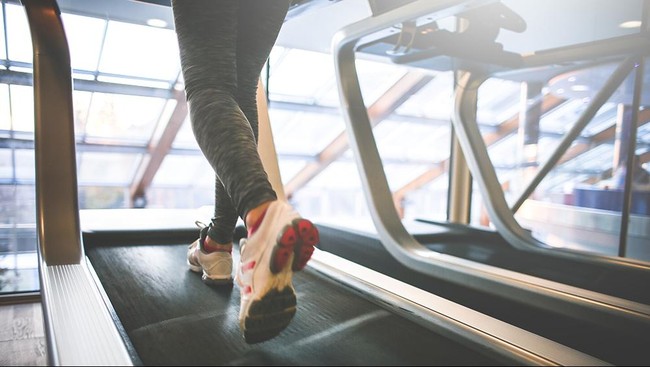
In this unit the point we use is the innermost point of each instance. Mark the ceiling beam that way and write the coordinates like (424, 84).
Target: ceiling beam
(158, 149)
(385, 105)
(607, 135)
(644, 157)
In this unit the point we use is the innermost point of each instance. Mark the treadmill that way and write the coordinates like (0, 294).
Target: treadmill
(126, 298)
(599, 304)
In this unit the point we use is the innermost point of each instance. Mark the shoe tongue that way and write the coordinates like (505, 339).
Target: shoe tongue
(257, 224)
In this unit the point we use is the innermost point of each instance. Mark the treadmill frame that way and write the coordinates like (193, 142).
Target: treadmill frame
(569, 300)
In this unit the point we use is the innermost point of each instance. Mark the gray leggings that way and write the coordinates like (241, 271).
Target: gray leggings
(223, 47)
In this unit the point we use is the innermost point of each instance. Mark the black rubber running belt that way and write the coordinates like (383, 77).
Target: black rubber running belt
(489, 247)
(172, 318)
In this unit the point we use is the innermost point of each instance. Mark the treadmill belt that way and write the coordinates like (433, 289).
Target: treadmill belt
(489, 247)
(172, 318)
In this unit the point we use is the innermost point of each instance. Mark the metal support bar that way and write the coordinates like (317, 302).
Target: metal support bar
(481, 166)
(266, 144)
(460, 179)
(460, 184)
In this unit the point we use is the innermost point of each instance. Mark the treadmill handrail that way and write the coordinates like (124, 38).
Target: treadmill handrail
(54, 145)
(78, 325)
(574, 301)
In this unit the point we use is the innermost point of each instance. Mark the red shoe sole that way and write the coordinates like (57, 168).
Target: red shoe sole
(298, 239)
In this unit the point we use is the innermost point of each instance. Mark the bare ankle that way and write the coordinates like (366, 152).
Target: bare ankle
(254, 215)
(209, 245)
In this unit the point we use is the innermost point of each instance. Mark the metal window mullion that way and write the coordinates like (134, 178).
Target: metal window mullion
(631, 150)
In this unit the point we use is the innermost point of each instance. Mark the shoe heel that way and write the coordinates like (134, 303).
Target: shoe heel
(283, 249)
(308, 238)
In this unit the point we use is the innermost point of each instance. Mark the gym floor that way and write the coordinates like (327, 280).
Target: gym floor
(22, 339)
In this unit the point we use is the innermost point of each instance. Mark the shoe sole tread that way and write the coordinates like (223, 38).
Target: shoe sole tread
(273, 312)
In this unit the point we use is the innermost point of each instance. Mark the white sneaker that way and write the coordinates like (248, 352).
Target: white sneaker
(215, 266)
(282, 244)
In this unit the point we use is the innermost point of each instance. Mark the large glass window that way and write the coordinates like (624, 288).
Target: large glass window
(132, 50)
(578, 204)
(128, 97)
